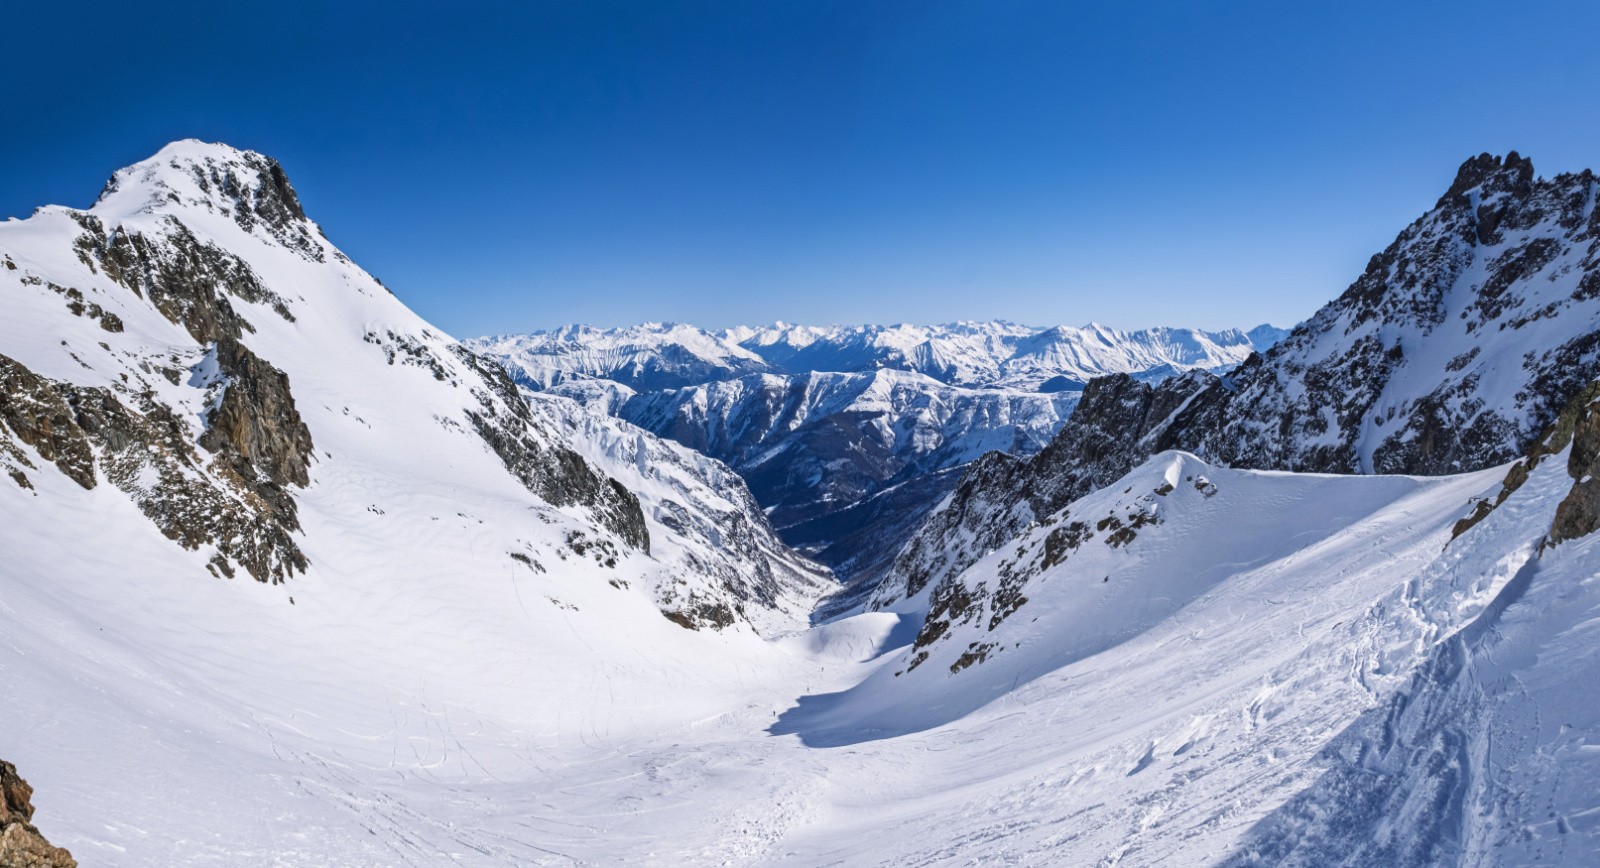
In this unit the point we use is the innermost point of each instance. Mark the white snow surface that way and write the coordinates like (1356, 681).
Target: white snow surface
(426, 700)
(417, 713)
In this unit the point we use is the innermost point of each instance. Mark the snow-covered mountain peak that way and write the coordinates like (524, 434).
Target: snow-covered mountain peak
(646, 356)
(199, 181)
(194, 341)
(190, 172)
(981, 354)
(1128, 649)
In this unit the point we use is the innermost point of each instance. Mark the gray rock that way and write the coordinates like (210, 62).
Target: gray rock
(21, 844)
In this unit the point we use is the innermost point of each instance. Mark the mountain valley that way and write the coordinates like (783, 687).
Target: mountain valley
(292, 577)
(849, 435)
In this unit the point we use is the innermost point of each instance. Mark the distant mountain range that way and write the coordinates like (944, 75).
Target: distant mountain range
(848, 435)
(993, 354)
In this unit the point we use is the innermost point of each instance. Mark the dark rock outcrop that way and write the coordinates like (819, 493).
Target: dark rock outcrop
(38, 414)
(555, 473)
(190, 282)
(21, 845)
(147, 451)
(256, 424)
(252, 189)
(1579, 512)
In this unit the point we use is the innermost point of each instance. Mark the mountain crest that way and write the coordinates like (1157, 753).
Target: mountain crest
(1511, 174)
(1461, 341)
(250, 188)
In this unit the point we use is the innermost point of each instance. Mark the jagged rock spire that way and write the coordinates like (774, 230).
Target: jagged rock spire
(1513, 174)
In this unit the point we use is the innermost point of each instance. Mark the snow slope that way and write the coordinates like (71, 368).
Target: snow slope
(1166, 715)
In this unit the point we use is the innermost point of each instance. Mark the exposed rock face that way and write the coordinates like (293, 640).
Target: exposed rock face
(257, 424)
(1457, 346)
(38, 414)
(550, 470)
(21, 845)
(189, 281)
(1579, 513)
(148, 452)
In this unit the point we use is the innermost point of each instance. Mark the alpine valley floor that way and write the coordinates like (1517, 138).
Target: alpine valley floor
(1160, 702)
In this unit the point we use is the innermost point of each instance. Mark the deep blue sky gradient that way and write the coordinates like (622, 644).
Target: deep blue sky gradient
(511, 166)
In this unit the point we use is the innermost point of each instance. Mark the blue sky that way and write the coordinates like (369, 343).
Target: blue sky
(511, 166)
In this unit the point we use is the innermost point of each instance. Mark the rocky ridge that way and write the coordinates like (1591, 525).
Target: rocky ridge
(1454, 349)
(197, 316)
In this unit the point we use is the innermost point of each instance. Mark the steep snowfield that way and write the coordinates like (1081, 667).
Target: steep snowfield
(418, 678)
(420, 712)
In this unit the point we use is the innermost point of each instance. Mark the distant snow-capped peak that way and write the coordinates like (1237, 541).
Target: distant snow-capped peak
(980, 354)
